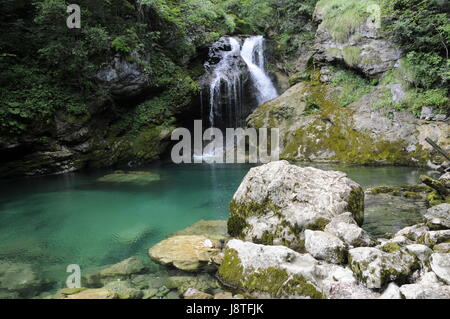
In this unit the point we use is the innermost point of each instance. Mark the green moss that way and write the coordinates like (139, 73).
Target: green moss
(434, 199)
(240, 212)
(356, 205)
(277, 282)
(391, 248)
(417, 192)
(267, 238)
(333, 131)
(318, 224)
(147, 145)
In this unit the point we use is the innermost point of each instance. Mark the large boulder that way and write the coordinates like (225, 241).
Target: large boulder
(376, 268)
(276, 202)
(188, 253)
(274, 271)
(349, 32)
(325, 246)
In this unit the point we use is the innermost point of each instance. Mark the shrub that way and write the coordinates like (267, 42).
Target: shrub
(343, 17)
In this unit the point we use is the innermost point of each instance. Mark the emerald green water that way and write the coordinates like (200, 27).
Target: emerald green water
(55, 221)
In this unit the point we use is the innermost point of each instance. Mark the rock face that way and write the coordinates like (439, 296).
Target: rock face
(188, 253)
(377, 268)
(325, 246)
(357, 43)
(124, 79)
(276, 202)
(315, 127)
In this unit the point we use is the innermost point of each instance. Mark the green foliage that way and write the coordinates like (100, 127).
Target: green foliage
(352, 55)
(426, 69)
(343, 17)
(416, 99)
(30, 100)
(419, 25)
(125, 44)
(352, 87)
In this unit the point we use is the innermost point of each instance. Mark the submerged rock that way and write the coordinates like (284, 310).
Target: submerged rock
(213, 229)
(376, 268)
(124, 290)
(135, 178)
(120, 271)
(203, 282)
(188, 253)
(276, 202)
(100, 293)
(325, 246)
(21, 279)
(193, 293)
(273, 270)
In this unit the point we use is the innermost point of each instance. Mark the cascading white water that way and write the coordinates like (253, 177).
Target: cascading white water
(229, 65)
(252, 53)
(226, 80)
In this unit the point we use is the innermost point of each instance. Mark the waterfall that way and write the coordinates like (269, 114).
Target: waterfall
(230, 93)
(235, 83)
(253, 54)
(225, 87)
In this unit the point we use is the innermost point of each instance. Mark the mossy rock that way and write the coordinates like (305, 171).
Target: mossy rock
(276, 282)
(131, 177)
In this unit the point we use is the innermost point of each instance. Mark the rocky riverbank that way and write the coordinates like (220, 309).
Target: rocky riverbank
(296, 233)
